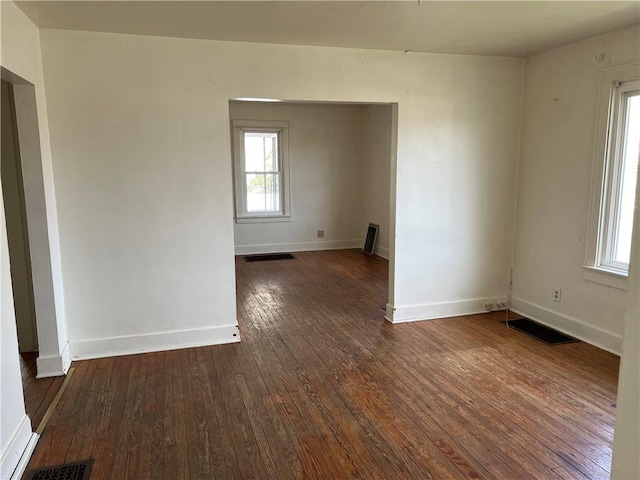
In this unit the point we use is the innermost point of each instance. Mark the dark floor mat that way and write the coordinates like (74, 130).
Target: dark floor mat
(545, 334)
(68, 471)
(268, 256)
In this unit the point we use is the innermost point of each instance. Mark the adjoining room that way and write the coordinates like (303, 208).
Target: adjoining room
(334, 178)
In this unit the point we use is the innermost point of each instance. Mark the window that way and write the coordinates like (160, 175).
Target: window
(260, 151)
(622, 173)
(615, 176)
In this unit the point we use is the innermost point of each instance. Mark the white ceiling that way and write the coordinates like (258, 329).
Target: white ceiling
(510, 28)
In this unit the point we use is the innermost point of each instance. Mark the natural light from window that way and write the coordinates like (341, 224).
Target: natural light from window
(262, 172)
(629, 167)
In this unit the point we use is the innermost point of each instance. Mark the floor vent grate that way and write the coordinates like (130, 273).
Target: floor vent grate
(545, 334)
(268, 256)
(68, 471)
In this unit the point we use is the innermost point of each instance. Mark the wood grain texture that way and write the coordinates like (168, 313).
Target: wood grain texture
(322, 387)
(38, 392)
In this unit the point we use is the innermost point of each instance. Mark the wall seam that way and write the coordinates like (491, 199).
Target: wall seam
(514, 235)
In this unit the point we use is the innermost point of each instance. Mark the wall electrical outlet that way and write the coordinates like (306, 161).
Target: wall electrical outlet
(557, 294)
(320, 233)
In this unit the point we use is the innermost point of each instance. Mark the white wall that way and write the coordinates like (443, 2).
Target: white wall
(15, 426)
(376, 174)
(21, 56)
(141, 142)
(554, 188)
(326, 161)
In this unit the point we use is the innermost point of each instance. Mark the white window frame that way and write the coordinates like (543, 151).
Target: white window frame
(240, 127)
(599, 266)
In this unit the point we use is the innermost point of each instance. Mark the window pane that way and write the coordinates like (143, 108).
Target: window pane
(260, 152)
(629, 171)
(263, 192)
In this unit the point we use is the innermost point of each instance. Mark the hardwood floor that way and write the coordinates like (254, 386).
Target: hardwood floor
(38, 392)
(322, 387)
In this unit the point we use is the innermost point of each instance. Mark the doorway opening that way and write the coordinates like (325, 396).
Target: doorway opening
(41, 339)
(312, 176)
(23, 199)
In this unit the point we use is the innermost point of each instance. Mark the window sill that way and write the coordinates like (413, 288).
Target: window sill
(605, 277)
(264, 219)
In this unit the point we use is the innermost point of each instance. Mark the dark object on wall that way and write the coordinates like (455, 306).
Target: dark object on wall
(268, 256)
(545, 334)
(372, 233)
(68, 471)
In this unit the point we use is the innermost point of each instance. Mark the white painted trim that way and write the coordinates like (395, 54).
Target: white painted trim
(16, 448)
(388, 314)
(605, 277)
(66, 358)
(597, 336)
(42, 226)
(153, 342)
(54, 365)
(431, 311)
(298, 246)
(264, 219)
(380, 251)
(26, 456)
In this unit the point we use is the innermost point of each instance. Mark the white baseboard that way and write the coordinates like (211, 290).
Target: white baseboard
(597, 336)
(153, 342)
(380, 251)
(54, 365)
(26, 456)
(16, 449)
(297, 246)
(431, 311)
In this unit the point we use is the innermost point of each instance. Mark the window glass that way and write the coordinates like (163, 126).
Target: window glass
(629, 172)
(263, 192)
(260, 152)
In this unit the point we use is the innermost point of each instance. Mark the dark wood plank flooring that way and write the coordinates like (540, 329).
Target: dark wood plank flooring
(322, 387)
(38, 392)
